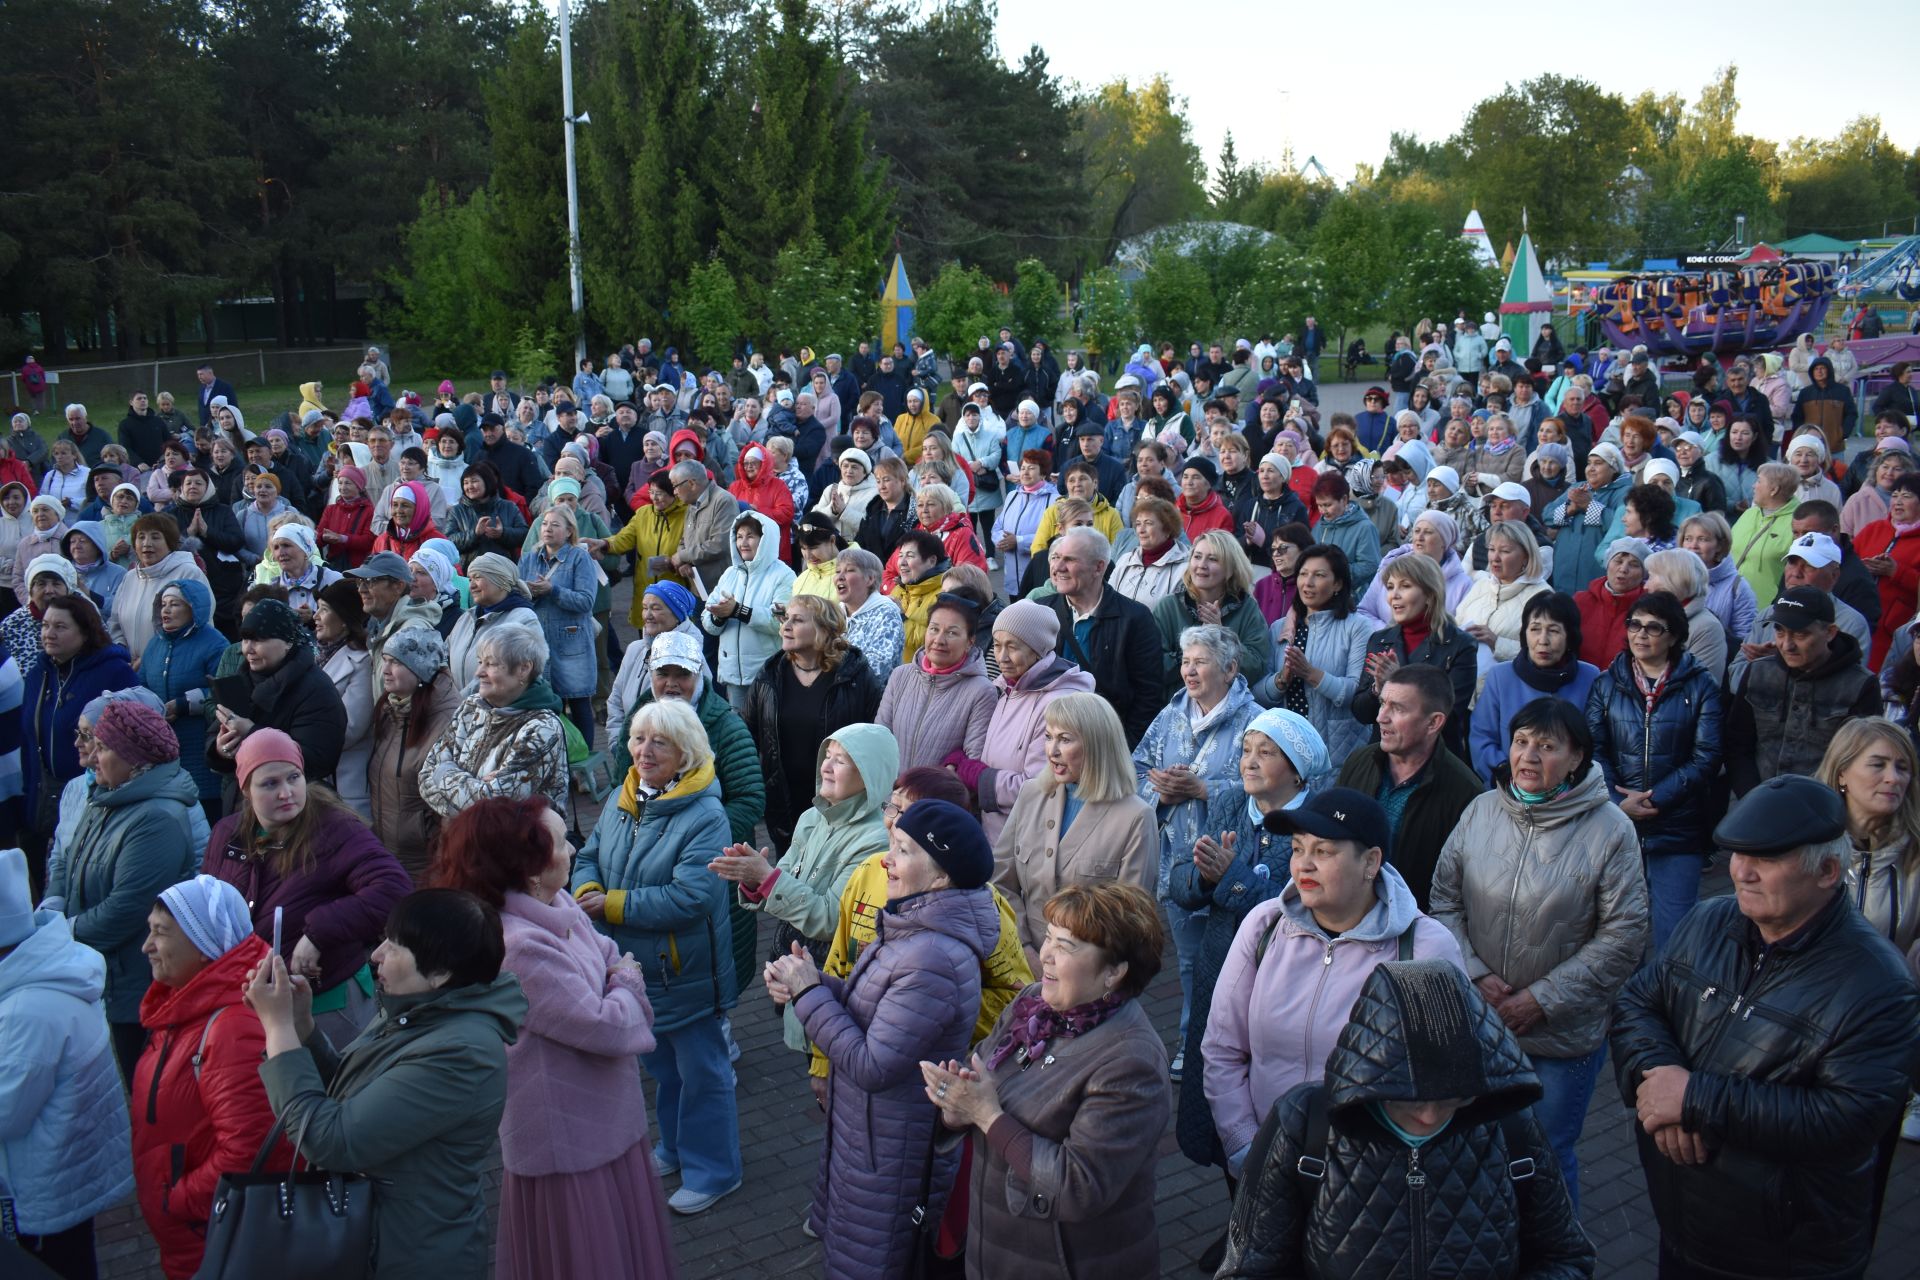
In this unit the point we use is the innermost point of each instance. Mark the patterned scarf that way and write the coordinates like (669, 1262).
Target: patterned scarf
(1294, 697)
(1032, 1022)
(1650, 689)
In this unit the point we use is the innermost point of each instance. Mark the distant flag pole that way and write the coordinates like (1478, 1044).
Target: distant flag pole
(896, 306)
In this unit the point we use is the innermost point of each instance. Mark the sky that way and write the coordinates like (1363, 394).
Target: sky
(1277, 74)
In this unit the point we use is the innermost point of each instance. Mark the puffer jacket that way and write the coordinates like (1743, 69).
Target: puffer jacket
(299, 699)
(64, 1142)
(1148, 584)
(414, 1103)
(751, 636)
(663, 905)
(1372, 1213)
(829, 842)
(913, 996)
(1279, 1007)
(339, 901)
(931, 715)
(1338, 646)
(1353, 533)
(198, 1107)
(463, 642)
(1673, 751)
(402, 821)
(131, 843)
(853, 696)
(178, 667)
(1779, 720)
(1014, 750)
(1020, 516)
(1211, 746)
(1552, 899)
(490, 751)
(1801, 1055)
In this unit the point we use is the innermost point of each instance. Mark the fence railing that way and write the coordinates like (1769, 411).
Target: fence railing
(250, 367)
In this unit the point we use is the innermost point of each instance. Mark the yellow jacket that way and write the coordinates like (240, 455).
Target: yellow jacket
(650, 533)
(1003, 976)
(916, 602)
(816, 580)
(913, 433)
(1105, 519)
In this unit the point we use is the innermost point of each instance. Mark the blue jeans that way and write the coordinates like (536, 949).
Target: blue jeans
(1189, 929)
(699, 1122)
(1567, 1085)
(1673, 885)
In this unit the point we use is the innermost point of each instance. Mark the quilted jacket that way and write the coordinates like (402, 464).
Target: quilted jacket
(1801, 1057)
(913, 996)
(1673, 750)
(1451, 1207)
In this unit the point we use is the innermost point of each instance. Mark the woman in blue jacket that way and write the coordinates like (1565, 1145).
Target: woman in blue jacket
(643, 876)
(562, 578)
(77, 664)
(179, 666)
(1548, 666)
(1580, 518)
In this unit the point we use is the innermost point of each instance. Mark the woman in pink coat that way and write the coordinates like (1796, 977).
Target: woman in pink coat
(580, 1198)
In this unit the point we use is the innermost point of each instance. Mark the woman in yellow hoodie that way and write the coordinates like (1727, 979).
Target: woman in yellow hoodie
(309, 400)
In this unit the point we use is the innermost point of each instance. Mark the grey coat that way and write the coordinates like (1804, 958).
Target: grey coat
(913, 995)
(1338, 646)
(1551, 898)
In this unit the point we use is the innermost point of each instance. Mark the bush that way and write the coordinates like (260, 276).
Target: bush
(707, 308)
(1036, 302)
(956, 309)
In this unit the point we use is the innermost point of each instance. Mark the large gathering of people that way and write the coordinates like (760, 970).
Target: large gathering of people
(958, 695)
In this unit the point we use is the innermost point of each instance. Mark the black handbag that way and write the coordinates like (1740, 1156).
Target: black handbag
(924, 1259)
(312, 1225)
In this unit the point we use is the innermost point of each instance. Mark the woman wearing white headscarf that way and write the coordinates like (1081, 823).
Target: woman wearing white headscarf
(500, 599)
(294, 561)
(846, 499)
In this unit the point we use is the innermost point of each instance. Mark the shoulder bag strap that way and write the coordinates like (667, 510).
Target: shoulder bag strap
(1311, 1167)
(1405, 946)
(199, 1054)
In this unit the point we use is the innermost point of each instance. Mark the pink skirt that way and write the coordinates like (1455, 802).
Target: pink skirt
(609, 1221)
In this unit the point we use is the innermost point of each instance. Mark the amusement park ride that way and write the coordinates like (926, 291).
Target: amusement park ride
(1740, 307)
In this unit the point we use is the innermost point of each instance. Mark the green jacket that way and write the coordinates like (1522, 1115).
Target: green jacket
(415, 1104)
(1173, 614)
(736, 761)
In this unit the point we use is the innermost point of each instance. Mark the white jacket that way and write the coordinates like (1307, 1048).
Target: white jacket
(351, 671)
(745, 645)
(1145, 583)
(1496, 606)
(66, 1146)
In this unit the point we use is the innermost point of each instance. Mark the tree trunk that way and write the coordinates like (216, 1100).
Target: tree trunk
(53, 331)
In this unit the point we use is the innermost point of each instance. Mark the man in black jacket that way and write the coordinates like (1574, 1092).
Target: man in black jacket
(1767, 1052)
(519, 469)
(1788, 704)
(1749, 406)
(1110, 637)
(1006, 383)
(143, 433)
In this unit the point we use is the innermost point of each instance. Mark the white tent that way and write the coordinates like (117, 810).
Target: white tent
(1475, 234)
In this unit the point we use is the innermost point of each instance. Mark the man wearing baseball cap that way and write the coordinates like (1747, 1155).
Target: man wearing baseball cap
(1812, 560)
(1510, 500)
(1789, 703)
(1767, 1053)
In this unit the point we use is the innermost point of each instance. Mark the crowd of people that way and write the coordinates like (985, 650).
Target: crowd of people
(974, 683)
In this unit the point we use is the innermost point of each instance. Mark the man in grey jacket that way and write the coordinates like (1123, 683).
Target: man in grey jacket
(706, 538)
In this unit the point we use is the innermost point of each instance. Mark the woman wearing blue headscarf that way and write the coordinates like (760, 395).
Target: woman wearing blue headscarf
(664, 606)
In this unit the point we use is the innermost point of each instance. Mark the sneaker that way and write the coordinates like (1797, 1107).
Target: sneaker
(1910, 1124)
(688, 1201)
(733, 1046)
(806, 1224)
(1179, 1062)
(663, 1166)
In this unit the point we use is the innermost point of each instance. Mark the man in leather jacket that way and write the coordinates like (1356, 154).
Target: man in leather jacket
(1768, 1052)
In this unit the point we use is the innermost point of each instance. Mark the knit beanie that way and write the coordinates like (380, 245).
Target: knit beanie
(137, 734)
(343, 597)
(358, 477)
(678, 599)
(1033, 625)
(496, 569)
(951, 838)
(270, 746)
(420, 650)
(57, 565)
(273, 620)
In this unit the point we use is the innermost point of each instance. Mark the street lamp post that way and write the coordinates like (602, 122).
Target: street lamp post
(573, 185)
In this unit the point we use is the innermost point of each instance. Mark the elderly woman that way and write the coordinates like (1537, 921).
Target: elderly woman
(1157, 564)
(294, 561)
(664, 607)
(77, 663)
(1075, 1141)
(1080, 820)
(132, 841)
(206, 1113)
(346, 524)
(255, 517)
(415, 1103)
(1424, 633)
(846, 500)
(46, 535)
(1190, 754)
(1891, 554)
(940, 702)
(1435, 535)
(294, 846)
(48, 575)
(815, 685)
(1579, 518)
(506, 739)
(1492, 611)
(483, 521)
(1032, 675)
(562, 577)
(1233, 867)
(500, 600)
(1420, 1079)
(1216, 589)
(435, 581)
(1872, 500)
(912, 998)
(410, 522)
(1541, 884)
(1299, 960)
(1322, 648)
(1017, 523)
(643, 878)
(1681, 574)
(875, 625)
(1764, 530)
(157, 560)
(1872, 764)
(179, 667)
(416, 701)
(1655, 716)
(840, 830)
(1729, 597)
(341, 652)
(574, 1134)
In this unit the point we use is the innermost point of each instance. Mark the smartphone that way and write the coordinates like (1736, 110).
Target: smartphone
(278, 912)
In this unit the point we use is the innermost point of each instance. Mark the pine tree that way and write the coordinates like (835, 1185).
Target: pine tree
(528, 229)
(1228, 180)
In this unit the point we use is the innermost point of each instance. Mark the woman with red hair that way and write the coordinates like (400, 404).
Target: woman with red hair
(580, 1197)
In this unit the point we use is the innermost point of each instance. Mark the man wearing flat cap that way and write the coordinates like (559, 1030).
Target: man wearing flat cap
(1767, 1052)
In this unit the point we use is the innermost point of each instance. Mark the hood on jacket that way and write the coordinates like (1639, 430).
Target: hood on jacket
(876, 754)
(96, 533)
(501, 1002)
(1578, 800)
(1820, 362)
(1393, 913)
(969, 916)
(51, 960)
(310, 392)
(1052, 672)
(1419, 1033)
(217, 986)
(687, 435)
(1417, 455)
(172, 565)
(198, 598)
(769, 550)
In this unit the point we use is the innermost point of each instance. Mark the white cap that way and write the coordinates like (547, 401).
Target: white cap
(1447, 476)
(974, 389)
(1660, 467)
(1817, 549)
(1126, 382)
(1693, 438)
(1513, 492)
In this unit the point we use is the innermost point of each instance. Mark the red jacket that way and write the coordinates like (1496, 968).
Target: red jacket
(767, 493)
(956, 538)
(13, 470)
(1208, 516)
(1603, 621)
(189, 1126)
(1899, 589)
(355, 520)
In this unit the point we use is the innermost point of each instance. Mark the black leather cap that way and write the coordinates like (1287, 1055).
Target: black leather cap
(1781, 816)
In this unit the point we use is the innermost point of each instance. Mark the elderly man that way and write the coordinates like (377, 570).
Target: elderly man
(706, 541)
(1748, 404)
(1768, 1051)
(82, 435)
(385, 581)
(1813, 560)
(1109, 636)
(1511, 501)
(1788, 704)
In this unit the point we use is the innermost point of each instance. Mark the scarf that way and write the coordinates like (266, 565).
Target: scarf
(1153, 556)
(932, 670)
(1294, 696)
(1032, 1022)
(1547, 680)
(1531, 798)
(634, 793)
(1650, 689)
(513, 600)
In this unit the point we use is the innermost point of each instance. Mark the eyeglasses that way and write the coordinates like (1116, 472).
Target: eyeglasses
(1636, 626)
(892, 810)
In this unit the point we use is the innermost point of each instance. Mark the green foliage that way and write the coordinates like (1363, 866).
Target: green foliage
(1354, 242)
(813, 300)
(1276, 294)
(1439, 275)
(1174, 300)
(447, 311)
(1233, 184)
(959, 306)
(528, 235)
(536, 354)
(1109, 323)
(1035, 302)
(708, 310)
(1857, 184)
(1142, 169)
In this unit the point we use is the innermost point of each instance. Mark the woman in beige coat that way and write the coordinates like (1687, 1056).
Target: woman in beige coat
(1079, 821)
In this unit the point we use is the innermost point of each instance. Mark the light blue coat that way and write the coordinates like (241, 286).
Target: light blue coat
(746, 645)
(66, 1148)
(1338, 646)
(1211, 746)
(566, 616)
